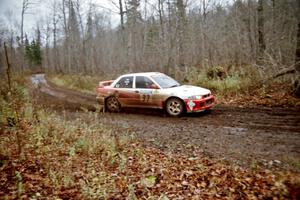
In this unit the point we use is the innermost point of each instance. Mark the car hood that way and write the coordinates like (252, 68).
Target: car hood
(186, 91)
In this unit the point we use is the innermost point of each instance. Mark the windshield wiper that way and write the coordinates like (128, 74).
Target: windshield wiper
(175, 85)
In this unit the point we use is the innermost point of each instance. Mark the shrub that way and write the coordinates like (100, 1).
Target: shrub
(229, 85)
(224, 82)
(216, 73)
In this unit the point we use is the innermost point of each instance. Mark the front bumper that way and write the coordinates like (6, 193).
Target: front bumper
(199, 104)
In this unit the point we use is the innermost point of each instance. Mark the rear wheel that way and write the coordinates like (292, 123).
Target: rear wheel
(174, 107)
(112, 104)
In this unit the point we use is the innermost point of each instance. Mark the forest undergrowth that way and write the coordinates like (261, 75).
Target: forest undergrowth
(44, 154)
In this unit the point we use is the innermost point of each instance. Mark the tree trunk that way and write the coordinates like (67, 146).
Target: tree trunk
(67, 57)
(260, 27)
(161, 35)
(170, 63)
(22, 24)
(121, 15)
(249, 30)
(297, 60)
(181, 22)
(203, 12)
(8, 70)
(56, 57)
(24, 8)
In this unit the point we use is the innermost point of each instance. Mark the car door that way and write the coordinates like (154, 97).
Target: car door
(124, 91)
(146, 89)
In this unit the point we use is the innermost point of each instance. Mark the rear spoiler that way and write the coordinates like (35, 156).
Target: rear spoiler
(105, 83)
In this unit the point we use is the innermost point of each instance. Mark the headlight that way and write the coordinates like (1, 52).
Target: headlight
(195, 97)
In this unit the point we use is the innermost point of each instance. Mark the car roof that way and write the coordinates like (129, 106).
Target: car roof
(143, 74)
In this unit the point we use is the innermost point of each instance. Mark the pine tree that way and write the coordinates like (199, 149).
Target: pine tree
(36, 53)
(33, 52)
(28, 55)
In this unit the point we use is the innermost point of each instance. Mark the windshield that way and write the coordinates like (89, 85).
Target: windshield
(165, 81)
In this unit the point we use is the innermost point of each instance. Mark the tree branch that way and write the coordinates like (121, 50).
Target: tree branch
(283, 72)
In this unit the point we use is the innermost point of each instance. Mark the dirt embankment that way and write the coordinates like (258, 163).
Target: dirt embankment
(246, 136)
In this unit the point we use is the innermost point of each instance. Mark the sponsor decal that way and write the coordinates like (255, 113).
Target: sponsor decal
(156, 92)
(191, 105)
(146, 92)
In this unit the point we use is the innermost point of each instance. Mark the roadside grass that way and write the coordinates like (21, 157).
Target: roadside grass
(228, 86)
(50, 155)
(225, 82)
(82, 83)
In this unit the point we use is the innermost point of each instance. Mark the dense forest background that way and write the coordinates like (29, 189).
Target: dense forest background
(162, 35)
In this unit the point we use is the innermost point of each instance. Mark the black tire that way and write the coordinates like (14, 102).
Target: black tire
(112, 104)
(174, 107)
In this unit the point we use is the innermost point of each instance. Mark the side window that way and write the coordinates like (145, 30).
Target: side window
(125, 82)
(143, 82)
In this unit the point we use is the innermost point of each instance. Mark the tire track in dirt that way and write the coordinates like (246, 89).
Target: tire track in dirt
(246, 136)
(236, 138)
(60, 98)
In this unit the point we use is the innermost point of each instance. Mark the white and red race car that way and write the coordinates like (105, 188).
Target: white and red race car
(153, 90)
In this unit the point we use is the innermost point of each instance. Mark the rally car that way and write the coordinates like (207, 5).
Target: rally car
(153, 90)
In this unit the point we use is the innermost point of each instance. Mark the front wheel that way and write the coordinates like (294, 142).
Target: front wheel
(174, 107)
(112, 104)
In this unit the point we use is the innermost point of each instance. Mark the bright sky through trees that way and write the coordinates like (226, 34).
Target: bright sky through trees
(10, 12)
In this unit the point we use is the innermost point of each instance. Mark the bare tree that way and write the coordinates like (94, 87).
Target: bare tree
(297, 60)
(74, 37)
(260, 27)
(250, 28)
(25, 6)
(82, 58)
(67, 65)
(55, 20)
(122, 13)
(181, 33)
(170, 39)
(203, 29)
(133, 20)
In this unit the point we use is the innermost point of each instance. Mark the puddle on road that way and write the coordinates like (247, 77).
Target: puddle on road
(38, 79)
(235, 130)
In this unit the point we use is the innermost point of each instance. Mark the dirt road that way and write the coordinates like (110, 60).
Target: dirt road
(247, 136)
